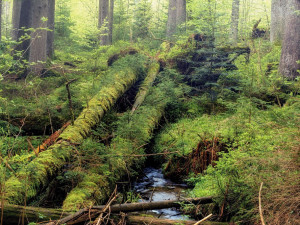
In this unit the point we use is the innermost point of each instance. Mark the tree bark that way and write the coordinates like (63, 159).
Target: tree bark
(180, 13)
(50, 34)
(278, 14)
(38, 45)
(172, 14)
(110, 21)
(16, 18)
(103, 23)
(291, 43)
(22, 19)
(235, 14)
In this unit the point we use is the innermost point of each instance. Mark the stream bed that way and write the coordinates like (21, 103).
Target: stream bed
(153, 186)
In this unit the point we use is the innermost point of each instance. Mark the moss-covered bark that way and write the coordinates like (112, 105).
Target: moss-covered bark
(34, 176)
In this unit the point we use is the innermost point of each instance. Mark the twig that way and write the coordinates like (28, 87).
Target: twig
(260, 208)
(99, 219)
(205, 218)
(32, 148)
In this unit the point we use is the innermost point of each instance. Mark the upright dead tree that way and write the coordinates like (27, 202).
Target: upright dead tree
(235, 12)
(38, 45)
(105, 21)
(278, 14)
(290, 55)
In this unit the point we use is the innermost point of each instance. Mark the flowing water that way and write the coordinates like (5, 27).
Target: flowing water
(155, 187)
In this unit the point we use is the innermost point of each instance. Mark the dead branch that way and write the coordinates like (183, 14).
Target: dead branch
(260, 207)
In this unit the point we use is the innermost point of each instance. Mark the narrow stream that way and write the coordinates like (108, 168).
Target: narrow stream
(154, 187)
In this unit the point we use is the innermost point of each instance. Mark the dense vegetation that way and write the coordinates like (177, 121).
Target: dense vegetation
(195, 87)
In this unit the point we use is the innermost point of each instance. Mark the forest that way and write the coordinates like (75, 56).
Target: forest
(149, 112)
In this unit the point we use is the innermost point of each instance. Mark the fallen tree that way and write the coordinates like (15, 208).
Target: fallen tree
(134, 132)
(158, 221)
(87, 214)
(13, 214)
(140, 97)
(35, 175)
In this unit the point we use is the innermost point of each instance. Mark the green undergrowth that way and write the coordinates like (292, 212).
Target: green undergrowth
(255, 135)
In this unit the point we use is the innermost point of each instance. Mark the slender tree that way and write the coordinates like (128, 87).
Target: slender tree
(104, 25)
(290, 55)
(50, 33)
(111, 20)
(176, 16)
(38, 45)
(16, 18)
(180, 12)
(235, 14)
(0, 19)
(172, 14)
(23, 12)
(278, 14)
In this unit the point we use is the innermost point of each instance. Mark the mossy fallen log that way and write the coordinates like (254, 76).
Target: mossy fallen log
(30, 179)
(13, 214)
(147, 83)
(134, 132)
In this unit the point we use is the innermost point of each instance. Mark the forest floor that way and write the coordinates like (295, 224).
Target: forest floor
(225, 127)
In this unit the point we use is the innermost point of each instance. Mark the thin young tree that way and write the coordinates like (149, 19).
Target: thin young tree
(278, 13)
(290, 55)
(235, 15)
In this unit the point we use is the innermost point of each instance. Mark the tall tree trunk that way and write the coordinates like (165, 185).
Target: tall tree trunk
(172, 14)
(16, 19)
(38, 45)
(111, 20)
(291, 43)
(25, 21)
(235, 13)
(50, 34)
(278, 14)
(180, 12)
(0, 18)
(103, 23)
